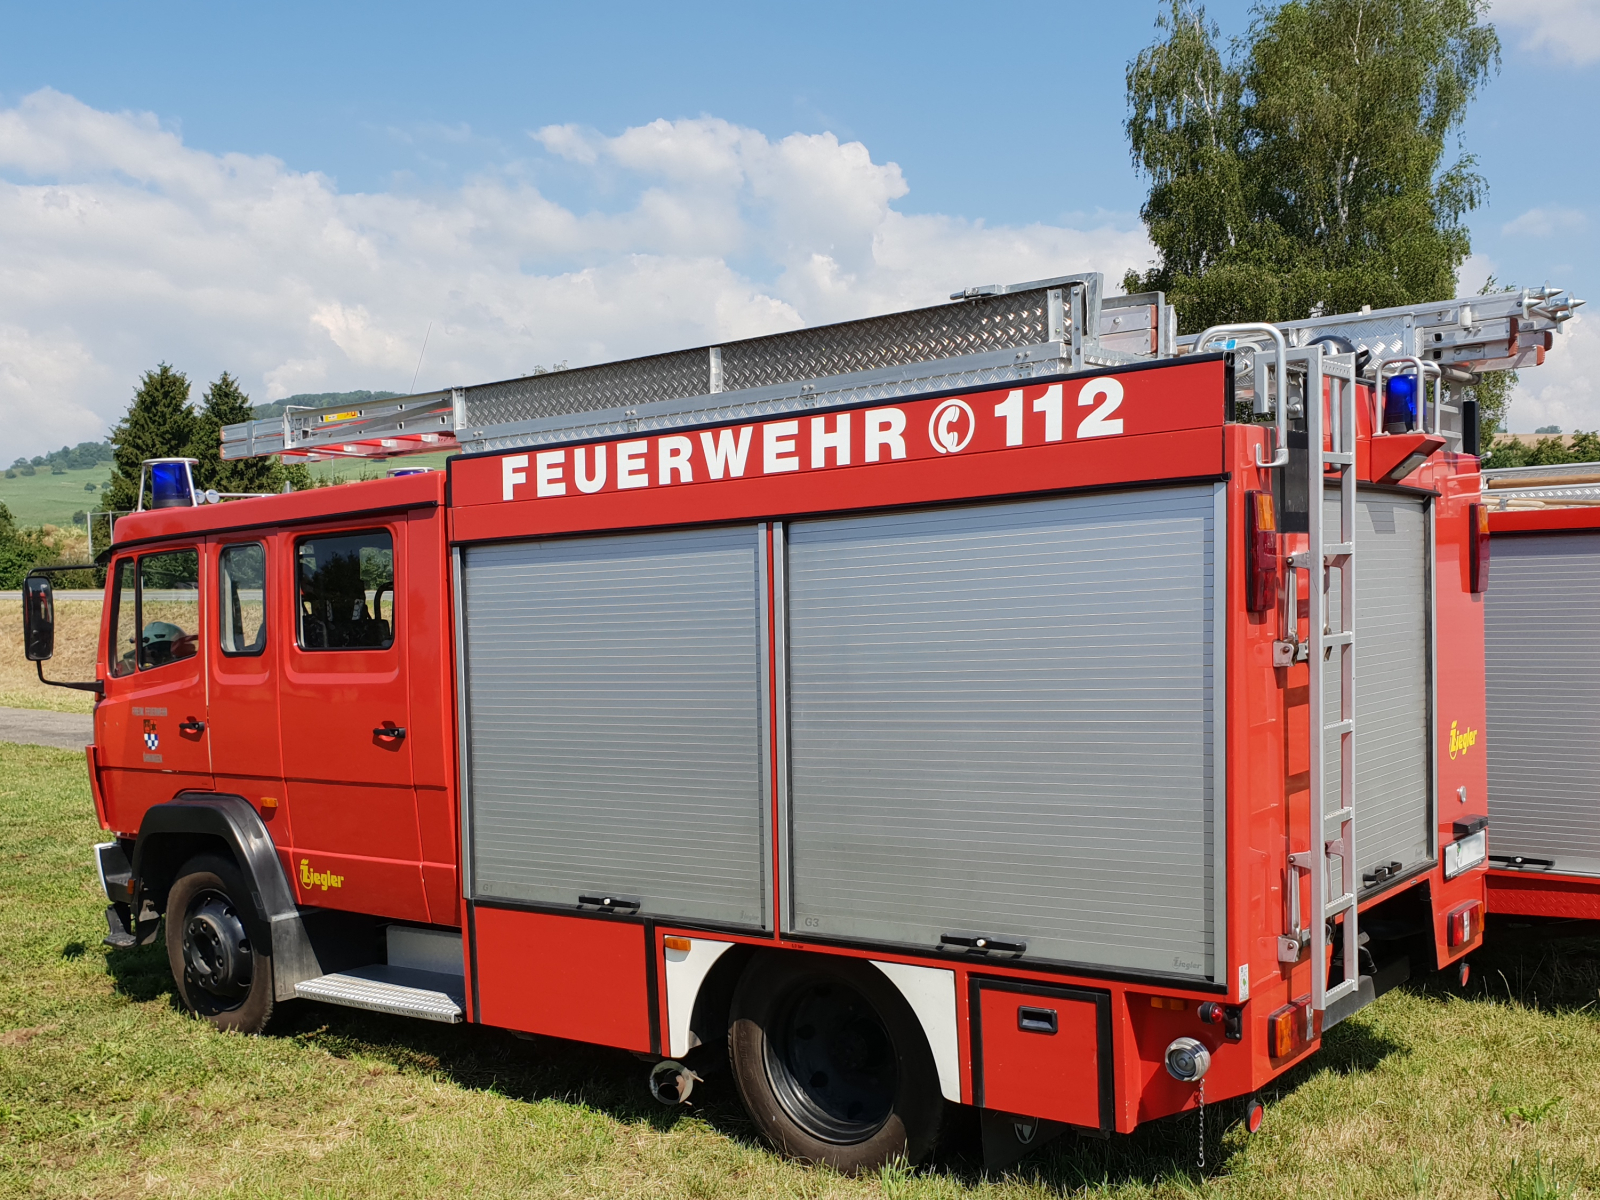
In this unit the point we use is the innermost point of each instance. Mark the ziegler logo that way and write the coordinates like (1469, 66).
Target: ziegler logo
(951, 427)
(323, 879)
(1462, 741)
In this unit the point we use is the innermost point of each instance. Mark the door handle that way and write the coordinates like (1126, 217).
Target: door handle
(191, 726)
(390, 731)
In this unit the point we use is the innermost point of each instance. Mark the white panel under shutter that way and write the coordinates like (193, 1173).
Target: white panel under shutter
(615, 716)
(1000, 721)
(1544, 698)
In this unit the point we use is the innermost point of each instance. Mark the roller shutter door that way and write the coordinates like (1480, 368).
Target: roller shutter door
(1393, 668)
(615, 715)
(1001, 721)
(1544, 698)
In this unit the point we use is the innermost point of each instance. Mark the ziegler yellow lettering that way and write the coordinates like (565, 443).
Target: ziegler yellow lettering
(1463, 741)
(323, 879)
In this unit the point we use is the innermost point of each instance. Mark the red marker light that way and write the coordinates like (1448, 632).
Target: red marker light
(1478, 548)
(1261, 551)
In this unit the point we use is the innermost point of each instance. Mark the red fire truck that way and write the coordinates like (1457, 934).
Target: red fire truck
(1543, 657)
(1004, 704)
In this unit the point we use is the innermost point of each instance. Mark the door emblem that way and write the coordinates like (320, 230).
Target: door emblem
(152, 739)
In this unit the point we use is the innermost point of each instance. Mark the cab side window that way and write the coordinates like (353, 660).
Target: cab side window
(124, 620)
(344, 591)
(169, 607)
(242, 604)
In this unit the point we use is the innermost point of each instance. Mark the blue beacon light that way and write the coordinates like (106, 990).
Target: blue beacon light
(170, 486)
(1400, 404)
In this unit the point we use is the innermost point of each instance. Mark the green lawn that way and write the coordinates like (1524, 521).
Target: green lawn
(107, 1090)
(46, 499)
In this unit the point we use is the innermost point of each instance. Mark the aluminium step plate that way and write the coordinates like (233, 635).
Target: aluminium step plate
(399, 991)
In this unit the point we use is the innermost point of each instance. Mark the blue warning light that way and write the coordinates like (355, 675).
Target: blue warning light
(170, 486)
(1400, 404)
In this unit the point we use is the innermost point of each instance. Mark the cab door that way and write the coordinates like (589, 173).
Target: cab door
(152, 727)
(246, 754)
(345, 721)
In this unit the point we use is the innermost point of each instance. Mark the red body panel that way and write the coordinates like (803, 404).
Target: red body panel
(567, 977)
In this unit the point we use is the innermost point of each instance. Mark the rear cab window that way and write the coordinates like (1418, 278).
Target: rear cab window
(242, 602)
(344, 591)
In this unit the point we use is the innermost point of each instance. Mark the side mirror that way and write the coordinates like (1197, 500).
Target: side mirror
(38, 618)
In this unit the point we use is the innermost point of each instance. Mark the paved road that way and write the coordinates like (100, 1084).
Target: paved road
(40, 727)
(73, 595)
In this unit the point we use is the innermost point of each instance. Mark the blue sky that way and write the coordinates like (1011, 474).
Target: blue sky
(297, 192)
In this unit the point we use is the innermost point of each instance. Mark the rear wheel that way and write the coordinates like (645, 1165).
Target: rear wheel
(832, 1063)
(220, 973)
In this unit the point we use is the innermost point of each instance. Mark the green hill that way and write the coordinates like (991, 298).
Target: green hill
(46, 499)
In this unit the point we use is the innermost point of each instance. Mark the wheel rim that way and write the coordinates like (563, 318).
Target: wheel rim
(832, 1063)
(216, 949)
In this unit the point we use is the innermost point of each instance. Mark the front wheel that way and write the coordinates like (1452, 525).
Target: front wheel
(831, 1062)
(220, 973)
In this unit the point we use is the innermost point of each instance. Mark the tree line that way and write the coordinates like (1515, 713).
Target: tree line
(161, 422)
(1312, 162)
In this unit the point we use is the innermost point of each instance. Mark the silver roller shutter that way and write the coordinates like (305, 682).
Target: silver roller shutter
(1000, 721)
(1544, 698)
(615, 717)
(1393, 668)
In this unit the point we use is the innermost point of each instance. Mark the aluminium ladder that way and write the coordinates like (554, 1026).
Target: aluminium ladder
(1330, 447)
(1333, 890)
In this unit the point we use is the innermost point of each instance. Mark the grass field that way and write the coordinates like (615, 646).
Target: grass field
(77, 635)
(107, 1090)
(46, 499)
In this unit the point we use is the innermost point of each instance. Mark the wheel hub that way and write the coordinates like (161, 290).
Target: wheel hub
(216, 948)
(833, 1063)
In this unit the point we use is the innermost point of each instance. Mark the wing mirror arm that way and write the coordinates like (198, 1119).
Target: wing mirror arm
(39, 624)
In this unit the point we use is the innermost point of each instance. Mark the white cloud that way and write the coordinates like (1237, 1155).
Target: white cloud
(1563, 391)
(121, 247)
(1569, 30)
(1544, 222)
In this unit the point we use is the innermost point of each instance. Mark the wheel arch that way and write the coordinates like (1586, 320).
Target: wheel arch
(199, 822)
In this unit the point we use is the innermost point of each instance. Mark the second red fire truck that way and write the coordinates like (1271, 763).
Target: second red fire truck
(1004, 704)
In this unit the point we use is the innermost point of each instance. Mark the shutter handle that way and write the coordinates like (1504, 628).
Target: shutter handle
(389, 731)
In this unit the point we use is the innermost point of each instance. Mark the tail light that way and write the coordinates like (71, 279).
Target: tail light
(1261, 552)
(1478, 548)
(1464, 924)
(1291, 1029)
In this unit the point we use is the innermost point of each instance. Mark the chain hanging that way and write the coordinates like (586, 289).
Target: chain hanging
(1201, 1158)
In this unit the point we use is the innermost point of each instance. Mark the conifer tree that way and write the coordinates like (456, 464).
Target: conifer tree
(159, 424)
(226, 404)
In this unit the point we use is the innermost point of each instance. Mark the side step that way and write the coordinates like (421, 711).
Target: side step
(399, 991)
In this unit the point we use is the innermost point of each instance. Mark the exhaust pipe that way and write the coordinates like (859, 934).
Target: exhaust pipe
(671, 1082)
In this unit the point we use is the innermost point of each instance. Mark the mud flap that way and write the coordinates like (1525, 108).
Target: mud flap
(1347, 1006)
(1007, 1136)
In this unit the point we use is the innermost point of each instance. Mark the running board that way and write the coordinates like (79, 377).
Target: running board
(399, 991)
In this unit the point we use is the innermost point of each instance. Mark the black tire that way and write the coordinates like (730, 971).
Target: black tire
(220, 974)
(831, 1062)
